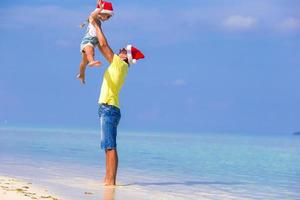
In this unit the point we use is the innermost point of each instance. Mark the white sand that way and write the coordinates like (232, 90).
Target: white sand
(14, 189)
(86, 189)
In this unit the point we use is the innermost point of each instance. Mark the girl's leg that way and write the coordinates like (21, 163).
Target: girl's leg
(89, 50)
(82, 67)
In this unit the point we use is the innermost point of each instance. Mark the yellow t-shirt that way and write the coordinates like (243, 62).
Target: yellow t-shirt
(113, 81)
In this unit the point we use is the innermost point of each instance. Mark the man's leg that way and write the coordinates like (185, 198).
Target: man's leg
(109, 120)
(111, 166)
(106, 168)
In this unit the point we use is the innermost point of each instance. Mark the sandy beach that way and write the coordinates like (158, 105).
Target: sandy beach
(15, 189)
(36, 165)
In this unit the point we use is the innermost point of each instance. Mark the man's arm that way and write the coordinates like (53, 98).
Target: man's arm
(95, 13)
(98, 10)
(104, 47)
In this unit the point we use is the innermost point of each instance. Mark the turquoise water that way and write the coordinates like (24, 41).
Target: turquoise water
(158, 165)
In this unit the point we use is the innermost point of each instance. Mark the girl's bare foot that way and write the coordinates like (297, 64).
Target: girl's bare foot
(94, 63)
(81, 78)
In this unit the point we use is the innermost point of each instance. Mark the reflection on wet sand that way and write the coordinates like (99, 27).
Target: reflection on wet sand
(109, 193)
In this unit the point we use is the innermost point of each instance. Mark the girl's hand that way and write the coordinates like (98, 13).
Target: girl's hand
(99, 4)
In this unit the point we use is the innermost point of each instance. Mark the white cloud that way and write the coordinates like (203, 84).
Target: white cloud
(152, 113)
(55, 25)
(240, 22)
(179, 82)
(40, 17)
(64, 43)
(290, 24)
(156, 26)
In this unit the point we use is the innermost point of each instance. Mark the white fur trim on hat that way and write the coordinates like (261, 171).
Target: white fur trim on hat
(129, 55)
(107, 12)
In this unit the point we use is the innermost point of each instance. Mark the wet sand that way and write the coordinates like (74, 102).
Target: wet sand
(15, 189)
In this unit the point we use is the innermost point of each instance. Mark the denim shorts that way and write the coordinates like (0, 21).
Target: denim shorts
(109, 119)
(92, 41)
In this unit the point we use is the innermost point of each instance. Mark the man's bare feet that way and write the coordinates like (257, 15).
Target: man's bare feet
(110, 186)
(109, 182)
(94, 63)
(81, 78)
(104, 180)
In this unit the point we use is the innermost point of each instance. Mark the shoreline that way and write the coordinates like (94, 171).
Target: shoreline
(17, 189)
(73, 166)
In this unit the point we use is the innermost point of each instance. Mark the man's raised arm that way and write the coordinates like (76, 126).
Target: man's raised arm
(104, 47)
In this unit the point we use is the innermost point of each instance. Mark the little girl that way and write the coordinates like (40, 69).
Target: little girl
(103, 12)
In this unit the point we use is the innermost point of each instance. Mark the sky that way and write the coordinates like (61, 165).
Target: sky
(210, 66)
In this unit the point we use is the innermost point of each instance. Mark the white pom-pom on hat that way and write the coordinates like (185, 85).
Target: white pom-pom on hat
(133, 54)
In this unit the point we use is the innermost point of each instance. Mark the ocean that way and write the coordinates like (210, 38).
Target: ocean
(156, 165)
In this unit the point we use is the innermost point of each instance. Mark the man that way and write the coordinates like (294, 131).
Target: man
(109, 109)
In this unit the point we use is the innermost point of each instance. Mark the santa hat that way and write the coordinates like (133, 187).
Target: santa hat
(107, 7)
(133, 54)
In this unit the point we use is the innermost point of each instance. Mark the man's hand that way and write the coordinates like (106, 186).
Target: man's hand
(97, 11)
(92, 20)
(103, 45)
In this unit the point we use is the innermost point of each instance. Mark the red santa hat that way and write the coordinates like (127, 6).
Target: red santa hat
(133, 54)
(107, 7)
